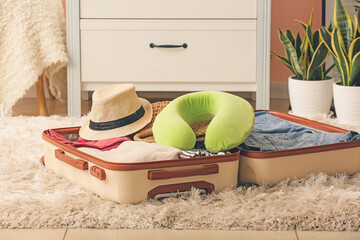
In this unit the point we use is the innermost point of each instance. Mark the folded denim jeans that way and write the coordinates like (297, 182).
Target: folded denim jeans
(271, 133)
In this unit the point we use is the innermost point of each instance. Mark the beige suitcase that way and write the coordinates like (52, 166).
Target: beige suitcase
(135, 182)
(272, 167)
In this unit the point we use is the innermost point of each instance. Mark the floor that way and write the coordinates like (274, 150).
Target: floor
(28, 106)
(161, 234)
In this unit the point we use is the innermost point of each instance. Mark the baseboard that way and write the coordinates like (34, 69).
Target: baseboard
(279, 90)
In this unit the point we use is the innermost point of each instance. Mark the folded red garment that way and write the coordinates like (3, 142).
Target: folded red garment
(103, 145)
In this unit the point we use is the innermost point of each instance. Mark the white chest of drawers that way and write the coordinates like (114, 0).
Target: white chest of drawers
(158, 45)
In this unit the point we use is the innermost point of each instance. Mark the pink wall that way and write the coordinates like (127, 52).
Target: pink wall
(283, 13)
(63, 3)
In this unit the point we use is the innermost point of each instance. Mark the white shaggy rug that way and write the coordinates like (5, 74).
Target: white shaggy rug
(33, 197)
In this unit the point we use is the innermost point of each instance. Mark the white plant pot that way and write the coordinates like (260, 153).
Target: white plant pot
(310, 98)
(347, 104)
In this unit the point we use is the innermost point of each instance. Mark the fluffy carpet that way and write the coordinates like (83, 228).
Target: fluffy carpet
(33, 197)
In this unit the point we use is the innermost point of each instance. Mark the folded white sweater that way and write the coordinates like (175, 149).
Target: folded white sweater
(135, 151)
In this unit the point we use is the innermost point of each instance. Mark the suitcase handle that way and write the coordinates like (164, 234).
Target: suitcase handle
(77, 163)
(180, 188)
(166, 174)
(98, 172)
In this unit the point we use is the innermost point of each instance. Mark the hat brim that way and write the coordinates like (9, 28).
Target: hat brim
(146, 134)
(89, 134)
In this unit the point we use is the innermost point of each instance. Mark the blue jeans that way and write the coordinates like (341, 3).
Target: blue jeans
(271, 133)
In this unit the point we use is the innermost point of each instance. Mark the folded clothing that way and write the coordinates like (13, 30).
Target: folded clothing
(200, 151)
(135, 151)
(267, 123)
(271, 133)
(103, 145)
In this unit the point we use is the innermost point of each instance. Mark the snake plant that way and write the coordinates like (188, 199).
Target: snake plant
(357, 5)
(305, 58)
(343, 43)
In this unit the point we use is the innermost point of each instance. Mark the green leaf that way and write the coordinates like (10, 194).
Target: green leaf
(290, 36)
(311, 49)
(311, 17)
(338, 67)
(284, 61)
(316, 74)
(330, 27)
(357, 20)
(304, 58)
(316, 40)
(328, 70)
(342, 60)
(298, 76)
(325, 36)
(304, 48)
(341, 43)
(342, 20)
(298, 44)
(302, 24)
(354, 48)
(320, 55)
(355, 70)
(309, 34)
(291, 53)
(355, 25)
(357, 82)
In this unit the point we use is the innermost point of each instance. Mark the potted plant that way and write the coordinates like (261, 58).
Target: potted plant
(343, 42)
(310, 89)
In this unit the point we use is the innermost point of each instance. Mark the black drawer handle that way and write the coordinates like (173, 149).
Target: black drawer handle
(152, 45)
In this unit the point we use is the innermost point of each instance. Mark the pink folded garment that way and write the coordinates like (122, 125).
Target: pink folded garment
(135, 151)
(103, 145)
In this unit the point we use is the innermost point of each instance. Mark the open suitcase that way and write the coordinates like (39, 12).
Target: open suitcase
(272, 167)
(135, 182)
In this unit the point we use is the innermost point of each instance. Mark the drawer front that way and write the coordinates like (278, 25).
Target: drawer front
(168, 9)
(216, 52)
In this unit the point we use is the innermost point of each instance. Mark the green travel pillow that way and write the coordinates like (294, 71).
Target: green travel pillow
(232, 120)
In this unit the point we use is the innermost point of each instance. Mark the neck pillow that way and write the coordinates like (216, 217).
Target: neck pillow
(232, 119)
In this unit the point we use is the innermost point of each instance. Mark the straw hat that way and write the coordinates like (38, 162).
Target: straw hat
(116, 111)
(146, 133)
